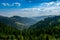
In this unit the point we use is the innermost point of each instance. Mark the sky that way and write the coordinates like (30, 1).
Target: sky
(29, 8)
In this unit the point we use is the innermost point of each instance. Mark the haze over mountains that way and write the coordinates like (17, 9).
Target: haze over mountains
(20, 22)
(47, 22)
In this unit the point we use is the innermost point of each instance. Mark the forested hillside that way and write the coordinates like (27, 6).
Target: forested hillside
(7, 32)
(47, 22)
(47, 29)
(12, 22)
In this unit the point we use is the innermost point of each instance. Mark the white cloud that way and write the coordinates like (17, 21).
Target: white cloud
(11, 4)
(50, 4)
(51, 8)
(4, 4)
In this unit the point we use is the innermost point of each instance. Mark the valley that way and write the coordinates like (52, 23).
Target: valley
(47, 29)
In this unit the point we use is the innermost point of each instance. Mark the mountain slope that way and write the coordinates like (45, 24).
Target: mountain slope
(7, 20)
(10, 22)
(24, 20)
(39, 18)
(8, 32)
(47, 22)
(47, 29)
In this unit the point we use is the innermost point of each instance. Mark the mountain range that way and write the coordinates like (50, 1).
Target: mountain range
(20, 22)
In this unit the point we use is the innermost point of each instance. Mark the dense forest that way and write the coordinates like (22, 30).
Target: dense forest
(47, 29)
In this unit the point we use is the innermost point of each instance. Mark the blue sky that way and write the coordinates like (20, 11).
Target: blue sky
(29, 8)
(23, 3)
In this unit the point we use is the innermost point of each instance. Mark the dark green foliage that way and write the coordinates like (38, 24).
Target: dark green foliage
(48, 28)
(47, 38)
(8, 32)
